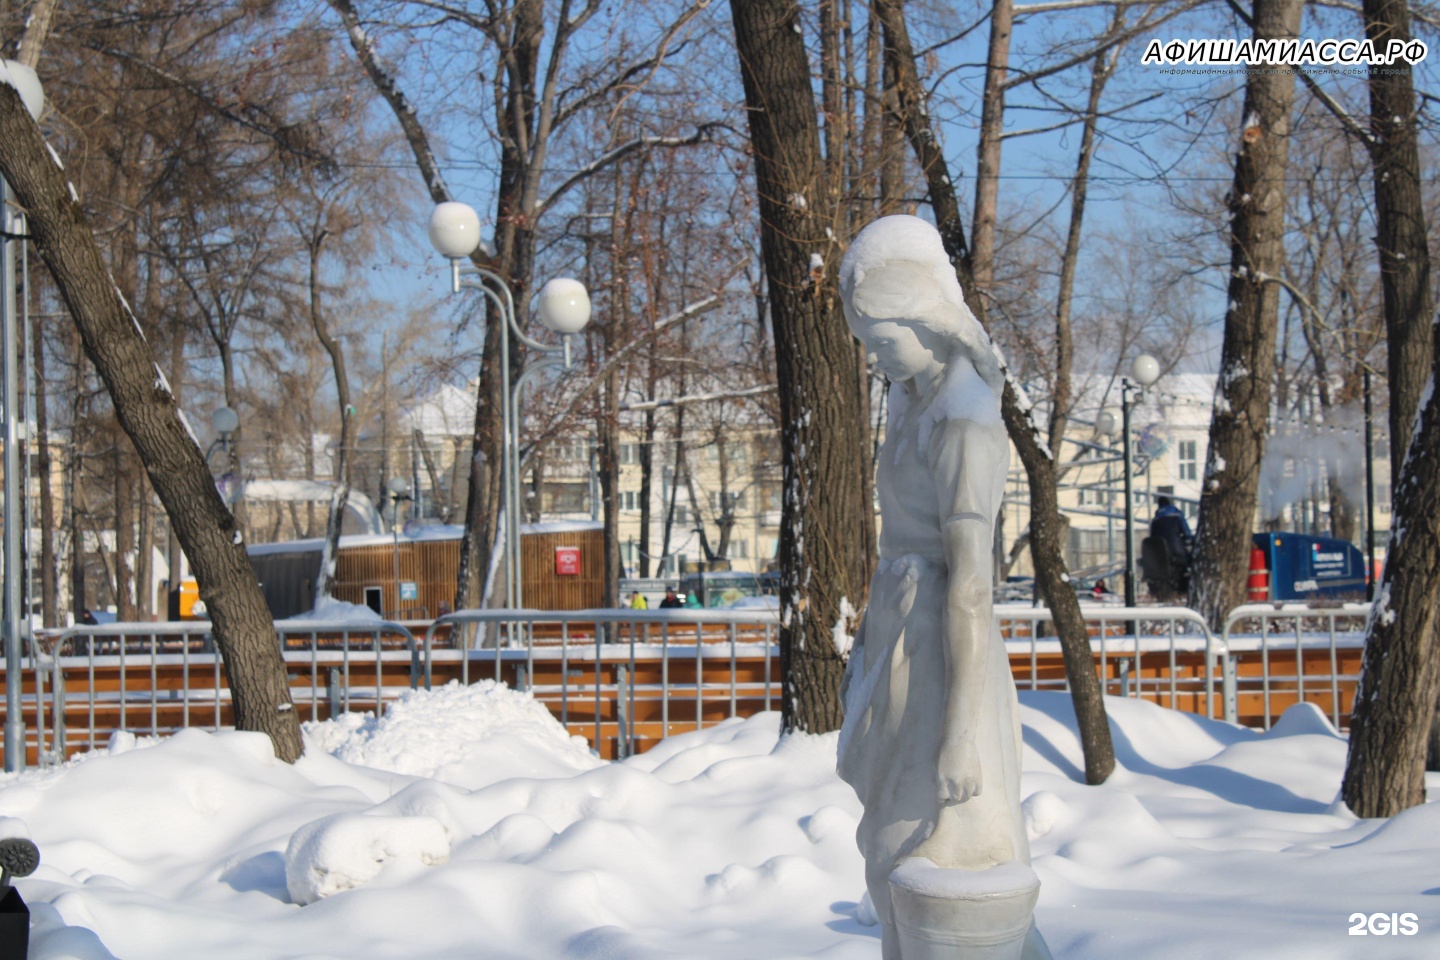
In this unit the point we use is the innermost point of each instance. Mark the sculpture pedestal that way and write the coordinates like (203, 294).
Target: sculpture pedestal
(948, 914)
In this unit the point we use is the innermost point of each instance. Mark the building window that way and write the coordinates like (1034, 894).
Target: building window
(1382, 497)
(630, 500)
(718, 498)
(1092, 497)
(1189, 461)
(740, 549)
(629, 453)
(567, 497)
(568, 451)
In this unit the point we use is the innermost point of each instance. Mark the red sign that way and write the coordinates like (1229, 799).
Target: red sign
(567, 561)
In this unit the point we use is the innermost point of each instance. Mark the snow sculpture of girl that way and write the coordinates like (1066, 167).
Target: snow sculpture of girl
(931, 739)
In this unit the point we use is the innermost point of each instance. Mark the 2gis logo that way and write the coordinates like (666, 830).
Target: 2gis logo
(1384, 924)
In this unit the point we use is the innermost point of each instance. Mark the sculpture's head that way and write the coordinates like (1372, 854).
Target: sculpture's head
(900, 294)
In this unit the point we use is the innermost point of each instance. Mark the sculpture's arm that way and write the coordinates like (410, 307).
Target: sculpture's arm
(964, 463)
(966, 647)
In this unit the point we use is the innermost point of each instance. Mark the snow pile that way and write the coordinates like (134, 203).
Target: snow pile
(338, 611)
(469, 736)
(731, 844)
(345, 850)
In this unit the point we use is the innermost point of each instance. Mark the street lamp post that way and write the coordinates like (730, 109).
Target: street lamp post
(1144, 371)
(27, 84)
(399, 489)
(564, 307)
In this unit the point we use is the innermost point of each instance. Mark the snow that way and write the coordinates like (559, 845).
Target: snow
(466, 823)
(331, 610)
(842, 630)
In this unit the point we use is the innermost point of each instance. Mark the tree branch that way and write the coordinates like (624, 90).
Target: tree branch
(404, 112)
(701, 135)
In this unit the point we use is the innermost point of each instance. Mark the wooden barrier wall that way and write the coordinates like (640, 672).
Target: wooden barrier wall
(433, 565)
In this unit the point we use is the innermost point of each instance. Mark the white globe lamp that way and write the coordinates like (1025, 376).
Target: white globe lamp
(225, 420)
(1145, 370)
(564, 305)
(454, 229)
(1107, 424)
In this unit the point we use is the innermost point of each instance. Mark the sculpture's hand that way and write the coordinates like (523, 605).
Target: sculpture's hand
(958, 774)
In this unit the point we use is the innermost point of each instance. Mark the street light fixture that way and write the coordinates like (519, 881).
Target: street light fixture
(225, 422)
(398, 489)
(1144, 372)
(27, 84)
(564, 307)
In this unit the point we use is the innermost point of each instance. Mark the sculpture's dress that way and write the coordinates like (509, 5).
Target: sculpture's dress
(944, 460)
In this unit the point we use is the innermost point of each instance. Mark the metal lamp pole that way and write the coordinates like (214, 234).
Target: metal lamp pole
(399, 489)
(27, 84)
(564, 308)
(1143, 373)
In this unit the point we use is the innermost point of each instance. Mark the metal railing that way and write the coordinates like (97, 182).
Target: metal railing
(194, 691)
(160, 677)
(1160, 632)
(1307, 627)
(623, 640)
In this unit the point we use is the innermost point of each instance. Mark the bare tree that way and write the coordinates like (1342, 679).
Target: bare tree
(1241, 418)
(149, 415)
(1396, 703)
(1046, 524)
(533, 102)
(822, 561)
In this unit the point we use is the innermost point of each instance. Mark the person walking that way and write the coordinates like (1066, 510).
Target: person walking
(671, 602)
(638, 602)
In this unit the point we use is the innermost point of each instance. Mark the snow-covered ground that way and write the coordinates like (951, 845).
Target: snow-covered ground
(466, 824)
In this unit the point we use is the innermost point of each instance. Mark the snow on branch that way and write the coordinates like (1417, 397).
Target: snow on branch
(1350, 124)
(385, 82)
(698, 398)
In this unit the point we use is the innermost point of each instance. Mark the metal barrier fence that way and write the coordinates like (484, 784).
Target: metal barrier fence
(629, 660)
(181, 682)
(1164, 633)
(1309, 628)
(633, 672)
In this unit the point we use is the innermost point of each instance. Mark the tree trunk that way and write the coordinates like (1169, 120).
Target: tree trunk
(646, 456)
(49, 611)
(148, 414)
(1395, 706)
(1241, 419)
(1047, 527)
(608, 443)
(124, 487)
(992, 124)
(1400, 220)
(822, 435)
(335, 519)
(1400, 679)
(1060, 399)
